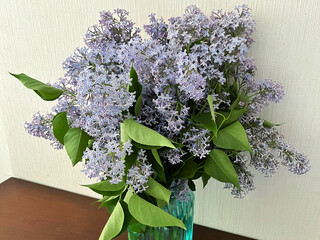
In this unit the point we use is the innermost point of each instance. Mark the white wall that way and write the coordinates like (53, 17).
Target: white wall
(36, 36)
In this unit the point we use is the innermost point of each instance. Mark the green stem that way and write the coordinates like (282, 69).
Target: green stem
(69, 93)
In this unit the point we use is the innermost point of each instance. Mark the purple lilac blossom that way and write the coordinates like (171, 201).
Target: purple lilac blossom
(197, 142)
(174, 156)
(41, 127)
(138, 175)
(185, 60)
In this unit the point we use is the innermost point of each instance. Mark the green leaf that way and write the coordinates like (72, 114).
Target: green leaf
(137, 106)
(142, 146)
(219, 166)
(199, 41)
(75, 142)
(233, 116)
(114, 224)
(160, 176)
(90, 143)
(206, 121)
(127, 196)
(103, 199)
(60, 126)
(156, 156)
(176, 144)
(191, 185)
(158, 191)
(123, 135)
(110, 203)
(188, 170)
(205, 179)
(127, 217)
(150, 215)
(235, 104)
(45, 91)
(144, 135)
(106, 186)
(210, 102)
(233, 137)
(137, 88)
(131, 159)
(268, 124)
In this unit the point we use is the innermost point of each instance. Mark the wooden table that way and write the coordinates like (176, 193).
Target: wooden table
(30, 211)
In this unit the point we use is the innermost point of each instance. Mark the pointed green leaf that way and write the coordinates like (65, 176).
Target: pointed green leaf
(158, 191)
(156, 156)
(159, 170)
(103, 199)
(233, 137)
(235, 104)
(135, 85)
(75, 142)
(60, 126)
(144, 135)
(90, 143)
(219, 166)
(234, 116)
(199, 41)
(123, 135)
(210, 102)
(137, 106)
(127, 196)
(110, 203)
(45, 91)
(137, 88)
(114, 224)
(205, 179)
(150, 215)
(268, 124)
(176, 144)
(106, 186)
(191, 185)
(206, 121)
(127, 217)
(142, 146)
(131, 159)
(188, 170)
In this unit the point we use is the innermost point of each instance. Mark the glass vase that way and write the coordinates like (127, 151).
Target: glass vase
(182, 209)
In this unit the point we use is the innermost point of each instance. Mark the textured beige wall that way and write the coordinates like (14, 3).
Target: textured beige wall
(36, 36)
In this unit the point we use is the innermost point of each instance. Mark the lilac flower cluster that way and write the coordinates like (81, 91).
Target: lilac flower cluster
(41, 127)
(185, 60)
(270, 149)
(174, 156)
(197, 142)
(139, 173)
(263, 93)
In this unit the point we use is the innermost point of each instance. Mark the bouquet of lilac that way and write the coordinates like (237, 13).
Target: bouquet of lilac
(146, 117)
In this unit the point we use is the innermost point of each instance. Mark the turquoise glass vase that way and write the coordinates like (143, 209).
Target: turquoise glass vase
(182, 209)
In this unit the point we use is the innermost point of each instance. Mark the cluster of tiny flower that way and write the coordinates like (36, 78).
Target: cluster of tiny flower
(270, 149)
(41, 127)
(174, 156)
(295, 161)
(138, 175)
(264, 92)
(185, 60)
(240, 162)
(197, 142)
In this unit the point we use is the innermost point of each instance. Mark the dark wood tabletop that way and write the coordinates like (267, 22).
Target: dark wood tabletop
(31, 211)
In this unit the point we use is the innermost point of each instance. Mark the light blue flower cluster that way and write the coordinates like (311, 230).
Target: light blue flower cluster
(185, 60)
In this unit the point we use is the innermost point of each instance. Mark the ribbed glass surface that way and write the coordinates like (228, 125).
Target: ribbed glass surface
(179, 209)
